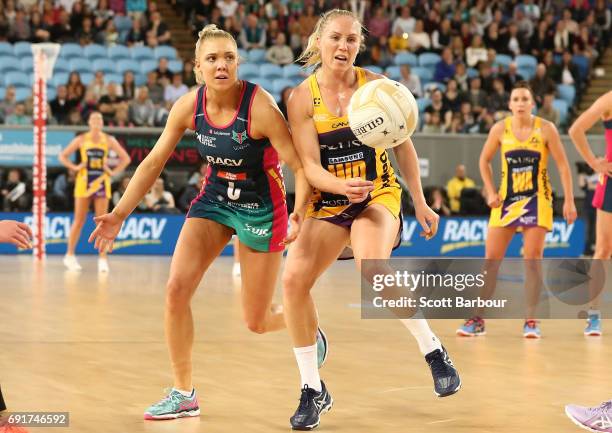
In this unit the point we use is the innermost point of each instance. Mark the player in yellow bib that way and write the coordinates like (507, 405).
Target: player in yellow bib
(524, 199)
(92, 182)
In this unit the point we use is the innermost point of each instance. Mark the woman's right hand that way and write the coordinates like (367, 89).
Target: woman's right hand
(357, 189)
(493, 200)
(603, 166)
(107, 229)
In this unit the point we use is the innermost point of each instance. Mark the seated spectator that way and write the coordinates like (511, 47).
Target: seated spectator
(60, 106)
(494, 39)
(75, 89)
(40, 30)
(15, 197)
(419, 40)
(476, 96)
(584, 44)
(156, 90)
(497, 101)
(404, 22)
(515, 42)
(442, 37)
(541, 84)
(456, 185)
(62, 193)
(227, 7)
(280, 53)
(486, 74)
(86, 34)
(74, 118)
(511, 77)
(411, 81)
(7, 105)
(469, 121)
(380, 53)
(433, 124)
(190, 192)
(568, 73)
(523, 24)
(164, 75)
(307, 21)
(109, 103)
(160, 200)
(194, 176)
(188, 74)
(159, 28)
(295, 38)
(20, 29)
(89, 104)
(19, 116)
(379, 24)
(121, 118)
(253, 34)
(136, 35)
(233, 27)
(61, 32)
(142, 110)
(175, 90)
(437, 106)
(109, 36)
(481, 12)
(118, 193)
(452, 96)
(541, 40)
(128, 87)
(461, 76)
(272, 31)
(563, 39)
(398, 42)
(568, 22)
(445, 68)
(97, 85)
(476, 52)
(201, 11)
(547, 111)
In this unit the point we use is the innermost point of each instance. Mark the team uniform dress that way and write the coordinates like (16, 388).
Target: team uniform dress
(92, 181)
(603, 193)
(244, 187)
(343, 155)
(525, 188)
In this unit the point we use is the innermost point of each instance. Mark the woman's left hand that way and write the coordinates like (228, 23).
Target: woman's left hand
(428, 219)
(569, 211)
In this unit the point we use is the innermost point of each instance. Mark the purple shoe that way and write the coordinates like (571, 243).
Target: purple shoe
(594, 419)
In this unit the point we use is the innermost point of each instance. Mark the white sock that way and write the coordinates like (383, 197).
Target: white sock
(185, 393)
(307, 363)
(594, 312)
(427, 340)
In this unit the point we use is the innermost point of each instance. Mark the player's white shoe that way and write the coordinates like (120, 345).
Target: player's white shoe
(71, 263)
(236, 270)
(103, 266)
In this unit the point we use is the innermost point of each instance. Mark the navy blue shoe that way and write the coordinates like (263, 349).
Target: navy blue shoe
(445, 376)
(312, 405)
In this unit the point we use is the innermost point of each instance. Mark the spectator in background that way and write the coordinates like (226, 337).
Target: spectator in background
(295, 38)
(74, 118)
(497, 100)
(398, 42)
(142, 110)
(61, 32)
(164, 75)
(15, 197)
(442, 36)
(136, 35)
(20, 29)
(469, 120)
(456, 185)
(380, 53)
(452, 96)
(175, 90)
(445, 68)
(40, 30)
(515, 42)
(227, 7)
(547, 111)
(272, 31)
(89, 104)
(188, 74)
(75, 90)
(476, 52)
(128, 87)
(461, 76)
(563, 39)
(19, 116)
(118, 193)
(419, 40)
(433, 124)
(379, 24)
(541, 40)
(201, 11)
(308, 20)
(7, 106)
(253, 34)
(190, 192)
(437, 106)
(86, 34)
(568, 22)
(233, 27)
(493, 39)
(109, 103)
(97, 85)
(476, 96)
(523, 24)
(60, 106)
(511, 77)
(481, 12)
(160, 200)
(109, 36)
(62, 193)
(121, 118)
(282, 105)
(280, 53)
(156, 90)
(159, 28)
(437, 202)
(541, 84)
(194, 176)
(568, 73)
(404, 22)
(411, 81)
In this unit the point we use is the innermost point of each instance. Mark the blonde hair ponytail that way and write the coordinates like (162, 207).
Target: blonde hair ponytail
(211, 31)
(311, 56)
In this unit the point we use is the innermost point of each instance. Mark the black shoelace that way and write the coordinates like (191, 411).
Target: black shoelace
(305, 398)
(439, 365)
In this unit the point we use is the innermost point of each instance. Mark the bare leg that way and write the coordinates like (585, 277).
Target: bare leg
(533, 251)
(100, 208)
(81, 206)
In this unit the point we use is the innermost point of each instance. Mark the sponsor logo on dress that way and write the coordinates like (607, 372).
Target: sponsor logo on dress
(206, 140)
(239, 137)
(257, 231)
(224, 161)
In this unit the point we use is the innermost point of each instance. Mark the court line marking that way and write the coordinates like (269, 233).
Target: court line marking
(442, 420)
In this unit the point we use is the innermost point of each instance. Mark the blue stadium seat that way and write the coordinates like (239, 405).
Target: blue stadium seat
(394, 72)
(292, 70)
(17, 79)
(247, 71)
(526, 62)
(87, 78)
(271, 71)
(22, 49)
(27, 64)
(70, 50)
(61, 66)
(113, 78)
(147, 66)
(142, 53)
(279, 84)
(80, 64)
(9, 63)
(165, 51)
(95, 51)
(429, 60)
(51, 93)
(423, 103)
(22, 93)
(262, 82)
(277, 97)
(105, 65)
(6, 49)
(503, 60)
(472, 72)
(583, 65)
(122, 23)
(175, 66)
(60, 78)
(243, 54)
(566, 92)
(425, 74)
(562, 106)
(127, 65)
(374, 68)
(406, 58)
(2, 92)
(140, 79)
(527, 73)
(119, 52)
(257, 56)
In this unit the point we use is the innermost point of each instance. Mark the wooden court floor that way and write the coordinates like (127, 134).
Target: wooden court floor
(94, 347)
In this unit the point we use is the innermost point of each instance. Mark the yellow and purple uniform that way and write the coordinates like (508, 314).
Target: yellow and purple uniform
(344, 156)
(91, 180)
(525, 189)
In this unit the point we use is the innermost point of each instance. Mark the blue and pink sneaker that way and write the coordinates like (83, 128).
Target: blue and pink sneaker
(594, 419)
(174, 405)
(593, 328)
(531, 329)
(472, 327)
